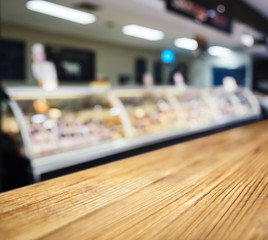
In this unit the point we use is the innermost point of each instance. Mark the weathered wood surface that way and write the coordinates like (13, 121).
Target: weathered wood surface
(214, 187)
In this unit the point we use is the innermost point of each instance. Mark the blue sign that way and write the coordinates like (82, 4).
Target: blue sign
(168, 56)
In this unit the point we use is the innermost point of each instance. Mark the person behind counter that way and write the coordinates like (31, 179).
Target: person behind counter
(148, 80)
(179, 80)
(43, 71)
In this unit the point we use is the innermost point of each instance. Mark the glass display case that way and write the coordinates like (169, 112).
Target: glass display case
(195, 108)
(233, 105)
(148, 112)
(57, 124)
(74, 125)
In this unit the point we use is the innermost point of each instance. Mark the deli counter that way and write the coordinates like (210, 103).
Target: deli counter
(75, 125)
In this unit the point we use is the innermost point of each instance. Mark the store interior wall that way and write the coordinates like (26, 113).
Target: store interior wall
(113, 59)
(201, 71)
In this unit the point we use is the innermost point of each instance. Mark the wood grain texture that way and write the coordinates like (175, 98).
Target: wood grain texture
(214, 187)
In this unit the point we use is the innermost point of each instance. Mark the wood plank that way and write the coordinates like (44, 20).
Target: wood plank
(214, 187)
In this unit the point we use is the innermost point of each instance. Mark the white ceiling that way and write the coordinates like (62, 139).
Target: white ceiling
(149, 13)
(260, 5)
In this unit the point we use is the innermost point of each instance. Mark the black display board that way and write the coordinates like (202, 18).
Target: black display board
(158, 71)
(12, 60)
(73, 65)
(140, 69)
(202, 12)
(260, 73)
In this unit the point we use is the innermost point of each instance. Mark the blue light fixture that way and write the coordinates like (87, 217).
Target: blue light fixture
(168, 56)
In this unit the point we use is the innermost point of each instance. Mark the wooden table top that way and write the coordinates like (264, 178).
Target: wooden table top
(214, 187)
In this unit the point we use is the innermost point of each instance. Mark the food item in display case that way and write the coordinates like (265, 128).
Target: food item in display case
(41, 106)
(149, 113)
(70, 123)
(224, 102)
(245, 105)
(195, 109)
(232, 104)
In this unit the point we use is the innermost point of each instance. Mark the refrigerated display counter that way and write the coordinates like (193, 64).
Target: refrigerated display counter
(74, 125)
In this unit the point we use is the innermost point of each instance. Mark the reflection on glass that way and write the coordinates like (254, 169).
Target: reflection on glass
(10, 127)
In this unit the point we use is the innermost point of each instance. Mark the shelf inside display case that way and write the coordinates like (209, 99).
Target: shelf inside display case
(74, 125)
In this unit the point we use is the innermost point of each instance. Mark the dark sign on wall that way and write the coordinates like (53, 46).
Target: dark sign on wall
(158, 72)
(140, 69)
(72, 64)
(203, 13)
(12, 60)
(260, 73)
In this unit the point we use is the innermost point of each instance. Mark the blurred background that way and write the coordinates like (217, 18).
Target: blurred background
(84, 52)
(83, 80)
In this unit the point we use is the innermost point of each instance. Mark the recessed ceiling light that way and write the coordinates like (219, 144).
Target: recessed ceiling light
(247, 40)
(218, 51)
(186, 43)
(143, 32)
(59, 11)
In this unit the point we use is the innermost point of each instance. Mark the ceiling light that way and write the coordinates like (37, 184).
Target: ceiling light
(247, 40)
(219, 51)
(143, 32)
(186, 43)
(59, 11)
